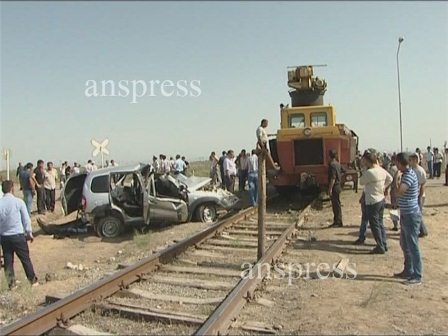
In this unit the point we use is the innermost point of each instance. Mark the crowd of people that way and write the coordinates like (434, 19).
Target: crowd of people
(402, 177)
(176, 166)
(41, 181)
(227, 168)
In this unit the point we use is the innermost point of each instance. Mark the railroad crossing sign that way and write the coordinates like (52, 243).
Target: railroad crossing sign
(100, 148)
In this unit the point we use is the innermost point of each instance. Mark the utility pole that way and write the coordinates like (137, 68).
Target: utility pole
(400, 40)
(7, 155)
(261, 202)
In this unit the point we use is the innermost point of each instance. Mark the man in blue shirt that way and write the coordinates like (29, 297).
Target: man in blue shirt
(410, 219)
(179, 165)
(15, 230)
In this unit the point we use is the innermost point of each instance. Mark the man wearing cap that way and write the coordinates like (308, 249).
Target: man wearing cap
(421, 176)
(334, 187)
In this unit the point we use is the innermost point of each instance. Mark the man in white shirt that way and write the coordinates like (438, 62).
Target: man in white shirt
(262, 143)
(76, 169)
(156, 164)
(164, 164)
(230, 171)
(421, 176)
(376, 181)
(50, 186)
(253, 178)
(89, 167)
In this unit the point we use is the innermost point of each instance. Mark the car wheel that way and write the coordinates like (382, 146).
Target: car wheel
(207, 213)
(109, 227)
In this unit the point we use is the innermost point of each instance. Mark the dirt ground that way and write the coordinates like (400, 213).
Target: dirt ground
(373, 301)
(94, 257)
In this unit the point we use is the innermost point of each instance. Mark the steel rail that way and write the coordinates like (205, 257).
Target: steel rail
(58, 313)
(219, 321)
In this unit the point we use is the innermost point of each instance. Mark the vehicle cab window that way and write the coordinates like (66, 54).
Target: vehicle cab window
(296, 120)
(319, 119)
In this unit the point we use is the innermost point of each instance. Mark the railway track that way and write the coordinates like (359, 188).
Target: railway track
(196, 286)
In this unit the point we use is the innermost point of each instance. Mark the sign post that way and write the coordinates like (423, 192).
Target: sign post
(100, 148)
(7, 155)
(261, 202)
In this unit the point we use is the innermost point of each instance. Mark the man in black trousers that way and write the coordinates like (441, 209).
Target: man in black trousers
(15, 231)
(39, 178)
(334, 187)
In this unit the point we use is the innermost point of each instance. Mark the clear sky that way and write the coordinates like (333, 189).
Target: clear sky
(238, 51)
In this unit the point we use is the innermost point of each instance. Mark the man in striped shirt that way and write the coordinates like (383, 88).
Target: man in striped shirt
(410, 219)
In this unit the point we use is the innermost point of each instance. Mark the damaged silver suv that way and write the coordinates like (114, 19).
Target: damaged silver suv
(112, 198)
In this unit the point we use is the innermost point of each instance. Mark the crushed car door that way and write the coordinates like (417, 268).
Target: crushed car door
(165, 209)
(71, 195)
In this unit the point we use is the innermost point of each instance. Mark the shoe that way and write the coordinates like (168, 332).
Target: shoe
(422, 234)
(413, 282)
(386, 249)
(13, 287)
(34, 283)
(402, 275)
(359, 242)
(377, 250)
(395, 229)
(43, 226)
(335, 225)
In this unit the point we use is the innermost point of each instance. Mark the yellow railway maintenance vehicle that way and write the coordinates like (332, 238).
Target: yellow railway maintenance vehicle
(308, 131)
